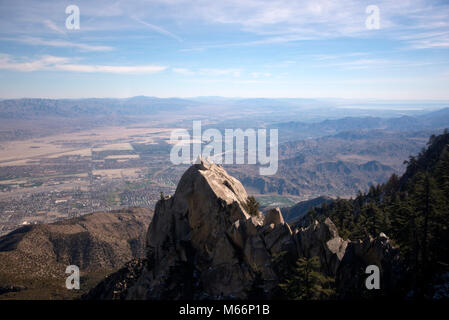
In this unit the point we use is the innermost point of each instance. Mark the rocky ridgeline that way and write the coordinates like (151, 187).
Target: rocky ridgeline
(203, 244)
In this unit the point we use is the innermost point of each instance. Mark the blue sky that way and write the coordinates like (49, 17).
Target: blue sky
(234, 48)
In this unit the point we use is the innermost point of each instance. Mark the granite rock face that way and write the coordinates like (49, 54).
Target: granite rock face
(322, 240)
(379, 251)
(203, 244)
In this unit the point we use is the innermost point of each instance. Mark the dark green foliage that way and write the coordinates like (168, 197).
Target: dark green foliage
(412, 210)
(307, 283)
(252, 206)
(283, 265)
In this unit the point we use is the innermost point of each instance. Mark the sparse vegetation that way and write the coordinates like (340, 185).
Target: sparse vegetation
(252, 206)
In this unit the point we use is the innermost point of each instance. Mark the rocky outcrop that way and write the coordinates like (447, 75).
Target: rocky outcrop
(322, 240)
(203, 244)
(277, 234)
(116, 285)
(379, 251)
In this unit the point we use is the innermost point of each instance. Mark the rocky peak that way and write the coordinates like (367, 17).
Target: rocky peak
(274, 216)
(322, 240)
(203, 244)
(204, 233)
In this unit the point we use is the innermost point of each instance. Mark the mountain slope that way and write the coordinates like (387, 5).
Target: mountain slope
(209, 241)
(412, 209)
(298, 210)
(97, 243)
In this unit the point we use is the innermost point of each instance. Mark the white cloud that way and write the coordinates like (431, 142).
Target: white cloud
(52, 63)
(145, 69)
(221, 72)
(382, 63)
(277, 21)
(50, 24)
(183, 71)
(260, 74)
(157, 28)
(433, 40)
(59, 43)
(6, 63)
(431, 43)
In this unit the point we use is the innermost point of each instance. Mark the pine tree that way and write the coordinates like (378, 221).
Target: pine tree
(427, 201)
(252, 206)
(307, 283)
(442, 174)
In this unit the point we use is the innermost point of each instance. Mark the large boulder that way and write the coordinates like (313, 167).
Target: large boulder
(322, 240)
(202, 243)
(379, 251)
(277, 234)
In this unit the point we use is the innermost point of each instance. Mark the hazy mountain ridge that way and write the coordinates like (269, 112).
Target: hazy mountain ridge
(312, 117)
(69, 108)
(307, 109)
(337, 165)
(431, 120)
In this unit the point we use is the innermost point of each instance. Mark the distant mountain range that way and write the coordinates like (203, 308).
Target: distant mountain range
(67, 108)
(301, 109)
(300, 130)
(336, 165)
(322, 150)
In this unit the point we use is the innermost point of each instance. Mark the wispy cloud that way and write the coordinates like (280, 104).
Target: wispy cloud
(34, 41)
(274, 21)
(363, 63)
(428, 40)
(260, 74)
(382, 63)
(264, 41)
(324, 57)
(50, 24)
(285, 21)
(210, 72)
(221, 72)
(183, 71)
(53, 63)
(145, 69)
(42, 63)
(283, 46)
(157, 29)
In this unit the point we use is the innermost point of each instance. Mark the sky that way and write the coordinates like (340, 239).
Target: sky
(232, 48)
